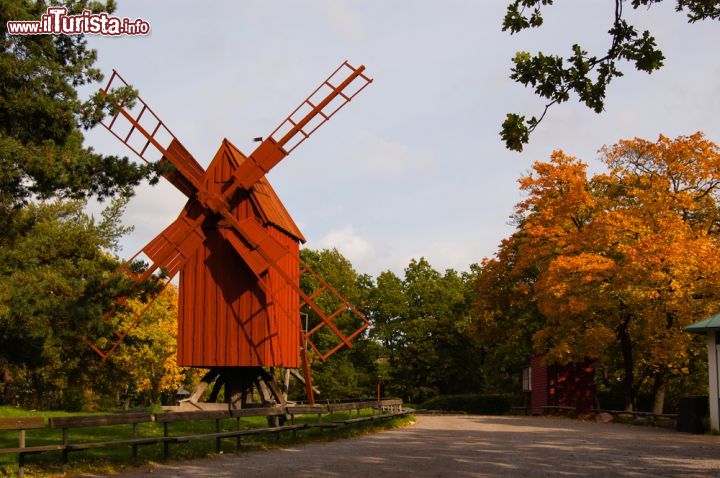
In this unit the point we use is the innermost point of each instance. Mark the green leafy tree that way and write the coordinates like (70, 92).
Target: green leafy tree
(58, 278)
(583, 74)
(388, 306)
(42, 119)
(347, 373)
(54, 270)
(54, 259)
(420, 343)
(424, 325)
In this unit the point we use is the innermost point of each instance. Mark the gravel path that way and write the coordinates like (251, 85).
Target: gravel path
(476, 446)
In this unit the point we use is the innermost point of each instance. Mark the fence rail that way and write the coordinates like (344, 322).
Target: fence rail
(382, 409)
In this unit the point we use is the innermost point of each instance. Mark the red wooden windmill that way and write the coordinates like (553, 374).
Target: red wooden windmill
(236, 249)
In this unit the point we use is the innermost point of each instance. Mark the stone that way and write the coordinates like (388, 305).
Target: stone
(603, 417)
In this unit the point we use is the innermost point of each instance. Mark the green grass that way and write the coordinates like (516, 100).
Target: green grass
(116, 459)
(9, 412)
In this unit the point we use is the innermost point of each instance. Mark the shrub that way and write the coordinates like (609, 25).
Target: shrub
(473, 403)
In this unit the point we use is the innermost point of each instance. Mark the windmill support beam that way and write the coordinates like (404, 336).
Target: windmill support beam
(306, 376)
(238, 384)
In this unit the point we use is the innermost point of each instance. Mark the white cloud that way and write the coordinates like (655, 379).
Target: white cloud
(448, 255)
(384, 158)
(150, 211)
(357, 250)
(347, 22)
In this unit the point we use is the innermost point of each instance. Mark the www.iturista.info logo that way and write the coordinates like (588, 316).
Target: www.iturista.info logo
(57, 22)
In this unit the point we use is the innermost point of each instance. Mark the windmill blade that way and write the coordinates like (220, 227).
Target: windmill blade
(171, 249)
(336, 91)
(266, 254)
(333, 93)
(176, 243)
(320, 106)
(148, 136)
(142, 130)
(356, 322)
(168, 252)
(325, 317)
(262, 262)
(106, 349)
(259, 254)
(327, 99)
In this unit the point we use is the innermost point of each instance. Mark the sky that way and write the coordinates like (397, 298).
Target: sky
(414, 165)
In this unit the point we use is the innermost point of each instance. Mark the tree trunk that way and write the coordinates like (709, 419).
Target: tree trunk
(659, 386)
(6, 387)
(628, 365)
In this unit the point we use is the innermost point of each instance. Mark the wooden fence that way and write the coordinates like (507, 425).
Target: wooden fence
(379, 410)
(573, 410)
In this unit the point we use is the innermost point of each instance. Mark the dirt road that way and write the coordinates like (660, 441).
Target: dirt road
(466, 446)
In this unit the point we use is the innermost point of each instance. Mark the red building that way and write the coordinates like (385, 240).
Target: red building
(571, 385)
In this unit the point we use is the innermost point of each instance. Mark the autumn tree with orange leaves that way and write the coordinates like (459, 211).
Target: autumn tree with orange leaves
(612, 266)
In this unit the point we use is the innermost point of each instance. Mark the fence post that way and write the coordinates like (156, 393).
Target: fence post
(238, 440)
(65, 450)
(276, 424)
(21, 455)
(134, 447)
(166, 443)
(218, 442)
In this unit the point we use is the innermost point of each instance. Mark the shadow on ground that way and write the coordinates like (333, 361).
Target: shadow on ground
(479, 446)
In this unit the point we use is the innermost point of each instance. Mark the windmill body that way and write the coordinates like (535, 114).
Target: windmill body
(224, 317)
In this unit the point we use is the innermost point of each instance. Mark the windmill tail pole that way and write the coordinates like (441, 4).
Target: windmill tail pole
(306, 370)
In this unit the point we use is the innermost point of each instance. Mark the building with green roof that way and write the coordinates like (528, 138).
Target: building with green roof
(710, 327)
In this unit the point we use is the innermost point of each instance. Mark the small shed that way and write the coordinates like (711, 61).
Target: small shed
(710, 328)
(571, 385)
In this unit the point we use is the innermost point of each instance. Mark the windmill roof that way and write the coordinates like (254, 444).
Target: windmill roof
(267, 201)
(705, 325)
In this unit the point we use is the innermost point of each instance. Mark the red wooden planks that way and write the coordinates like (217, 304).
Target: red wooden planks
(224, 317)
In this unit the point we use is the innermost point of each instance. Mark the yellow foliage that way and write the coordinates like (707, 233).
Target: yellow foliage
(149, 353)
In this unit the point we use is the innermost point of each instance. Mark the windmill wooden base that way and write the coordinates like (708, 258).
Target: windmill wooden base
(238, 385)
